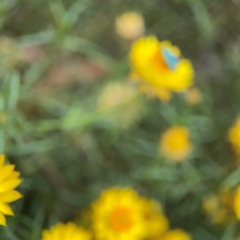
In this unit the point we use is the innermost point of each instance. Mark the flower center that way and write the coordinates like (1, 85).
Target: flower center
(178, 143)
(159, 62)
(120, 219)
(165, 60)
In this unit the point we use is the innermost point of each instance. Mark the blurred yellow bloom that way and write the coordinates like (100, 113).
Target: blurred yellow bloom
(8, 182)
(193, 96)
(210, 205)
(234, 136)
(130, 25)
(69, 231)
(155, 222)
(160, 64)
(175, 143)
(9, 53)
(117, 215)
(220, 207)
(177, 234)
(237, 203)
(119, 101)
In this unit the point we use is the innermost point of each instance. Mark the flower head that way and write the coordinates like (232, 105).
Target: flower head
(234, 136)
(177, 234)
(117, 215)
(119, 102)
(220, 207)
(130, 25)
(160, 64)
(175, 143)
(193, 96)
(156, 222)
(8, 182)
(69, 231)
(9, 53)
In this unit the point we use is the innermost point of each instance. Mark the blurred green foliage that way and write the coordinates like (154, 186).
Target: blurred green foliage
(55, 58)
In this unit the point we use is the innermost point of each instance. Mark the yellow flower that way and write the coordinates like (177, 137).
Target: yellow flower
(175, 144)
(130, 25)
(237, 203)
(177, 234)
(155, 222)
(117, 215)
(220, 207)
(193, 96)
(9, 53)
(8, 182)
(210, 205)
(120, 104)
(69, 231)
(160, 64)
(234, 136)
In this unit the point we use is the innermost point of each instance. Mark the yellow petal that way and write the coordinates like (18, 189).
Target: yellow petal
(9, 185)
(2, 220)
(177, 234)
(5, 209)
(237, 203)
(14, 175)
(6, 171)
(10, 196)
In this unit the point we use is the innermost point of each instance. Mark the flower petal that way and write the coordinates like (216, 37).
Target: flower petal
(5, 209)
(6, 171)
(10, 196)
(9, 185)
(2, 220)
(14, 174)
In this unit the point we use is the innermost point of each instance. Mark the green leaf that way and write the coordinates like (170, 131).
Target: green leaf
(13, 92)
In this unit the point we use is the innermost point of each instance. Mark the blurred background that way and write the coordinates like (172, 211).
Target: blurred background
(74, 124)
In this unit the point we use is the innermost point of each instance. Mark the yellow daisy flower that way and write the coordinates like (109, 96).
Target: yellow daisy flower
(8, 182)
(175, 144)
(10, 53)
(220, 207)
(155, 222)
(234, 136)
(177, 234)
(130, 25)
(193, 96)
(117, 215)
(160, 64)
(69, 231)
(237, 203)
